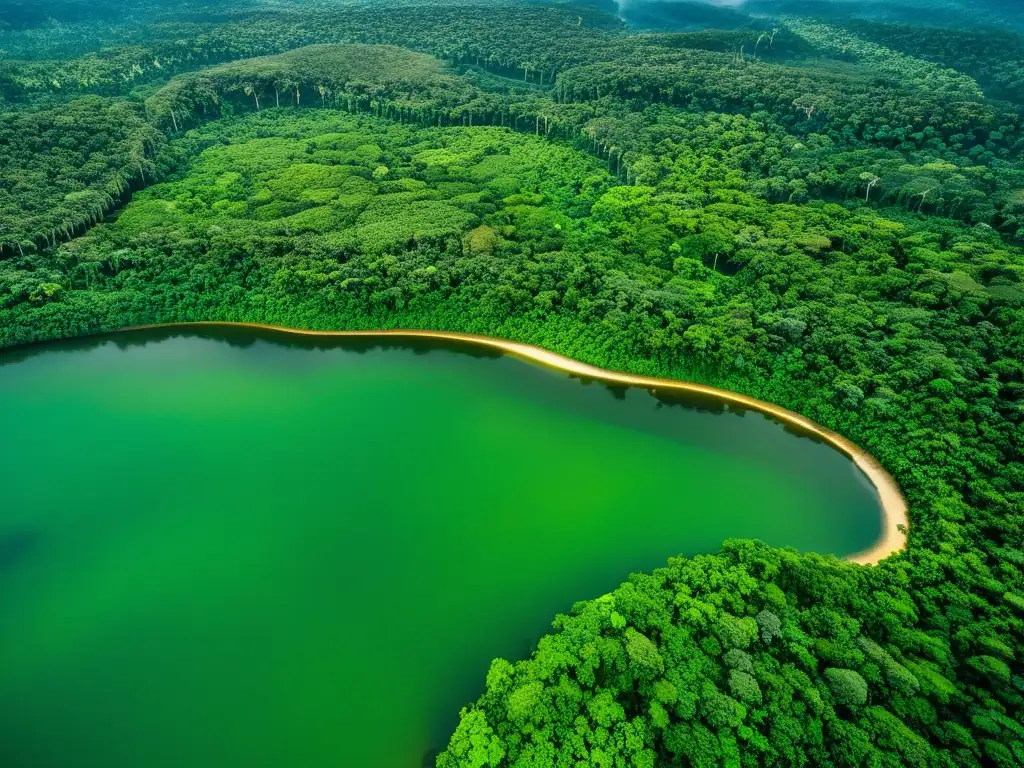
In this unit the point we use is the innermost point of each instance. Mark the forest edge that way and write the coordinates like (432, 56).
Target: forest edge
(895, 521)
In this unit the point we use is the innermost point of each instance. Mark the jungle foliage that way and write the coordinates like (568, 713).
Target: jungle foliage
(819, 213)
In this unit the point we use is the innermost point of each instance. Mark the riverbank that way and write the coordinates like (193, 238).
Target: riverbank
(894, 506)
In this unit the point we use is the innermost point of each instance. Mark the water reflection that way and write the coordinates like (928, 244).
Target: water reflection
(671, 414)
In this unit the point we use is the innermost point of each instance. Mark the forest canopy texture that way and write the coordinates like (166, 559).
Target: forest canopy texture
(817, 209)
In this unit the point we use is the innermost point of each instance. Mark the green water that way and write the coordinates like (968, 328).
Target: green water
(239, 549)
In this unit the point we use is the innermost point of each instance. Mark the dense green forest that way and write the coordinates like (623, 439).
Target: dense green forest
(814, 207)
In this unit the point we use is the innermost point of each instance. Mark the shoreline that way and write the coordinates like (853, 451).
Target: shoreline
(891, 499)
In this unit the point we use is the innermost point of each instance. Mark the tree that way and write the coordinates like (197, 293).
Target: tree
(848, 687)
(473, 745)
(744, 687)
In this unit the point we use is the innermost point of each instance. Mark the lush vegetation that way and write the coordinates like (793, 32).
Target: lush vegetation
(824, 213)
(63, 168)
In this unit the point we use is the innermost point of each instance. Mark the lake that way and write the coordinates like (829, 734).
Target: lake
(242, 548)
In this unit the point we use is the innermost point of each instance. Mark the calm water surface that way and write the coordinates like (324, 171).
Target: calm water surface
(247, 549)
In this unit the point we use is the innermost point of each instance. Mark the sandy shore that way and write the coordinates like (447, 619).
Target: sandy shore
(894, 506)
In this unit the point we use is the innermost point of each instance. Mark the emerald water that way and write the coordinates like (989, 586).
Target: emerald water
(241, 548)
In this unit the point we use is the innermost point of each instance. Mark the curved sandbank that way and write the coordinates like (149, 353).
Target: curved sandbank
(894, 505)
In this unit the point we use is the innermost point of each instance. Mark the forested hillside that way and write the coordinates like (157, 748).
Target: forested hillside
(827, 213)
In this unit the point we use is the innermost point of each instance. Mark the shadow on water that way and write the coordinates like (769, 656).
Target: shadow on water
(15, 546)
(680, 416)
(747, 436)
(244, 338)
